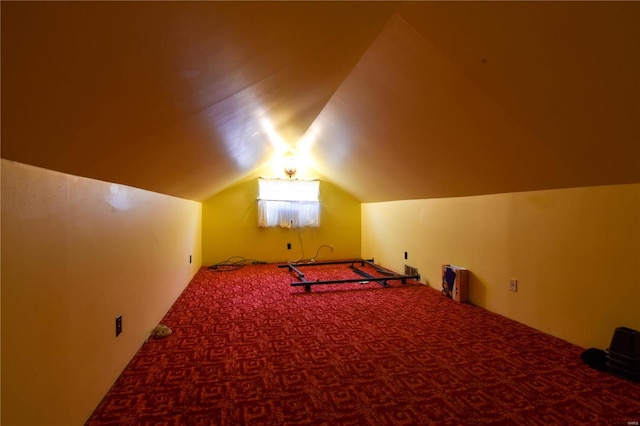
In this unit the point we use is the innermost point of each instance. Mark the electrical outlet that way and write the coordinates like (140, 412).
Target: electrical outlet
(190, 258)
(406, 255)
(513, 285)
(288, 246)
(118, 325)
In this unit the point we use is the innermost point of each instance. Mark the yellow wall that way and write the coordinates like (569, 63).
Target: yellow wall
(575, 253)
(230, 228)
(76, 252)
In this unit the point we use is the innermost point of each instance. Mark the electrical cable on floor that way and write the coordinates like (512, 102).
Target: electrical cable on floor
(234, 263)
(313, 259)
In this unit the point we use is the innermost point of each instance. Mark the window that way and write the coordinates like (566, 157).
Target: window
(288, 203)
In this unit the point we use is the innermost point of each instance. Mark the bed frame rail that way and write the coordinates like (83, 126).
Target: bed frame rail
(390, 275)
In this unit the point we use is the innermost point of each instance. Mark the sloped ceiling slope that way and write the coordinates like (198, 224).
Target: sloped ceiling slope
(406, 100)
(171, 96)
(458, 99)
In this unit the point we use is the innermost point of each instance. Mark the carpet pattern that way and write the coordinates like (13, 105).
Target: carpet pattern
(249, 349)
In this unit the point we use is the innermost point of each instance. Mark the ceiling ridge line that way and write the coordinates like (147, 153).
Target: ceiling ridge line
(282, 69)
(371, 42)
(290, 65)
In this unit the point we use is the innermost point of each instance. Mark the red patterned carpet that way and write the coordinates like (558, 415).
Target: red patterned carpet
(249, 349)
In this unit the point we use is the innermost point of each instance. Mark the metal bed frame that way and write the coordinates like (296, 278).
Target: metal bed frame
(390, 275)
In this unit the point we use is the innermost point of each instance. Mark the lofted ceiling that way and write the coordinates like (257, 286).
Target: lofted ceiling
(391, 100)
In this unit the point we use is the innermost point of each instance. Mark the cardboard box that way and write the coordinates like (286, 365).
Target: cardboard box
(455, 283)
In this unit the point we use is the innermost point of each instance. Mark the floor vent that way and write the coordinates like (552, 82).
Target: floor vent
(410, 270)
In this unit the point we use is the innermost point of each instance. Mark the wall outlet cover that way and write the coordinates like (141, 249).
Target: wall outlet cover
(118, 325)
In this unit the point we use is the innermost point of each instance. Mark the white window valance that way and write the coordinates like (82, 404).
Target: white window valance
(288, 203)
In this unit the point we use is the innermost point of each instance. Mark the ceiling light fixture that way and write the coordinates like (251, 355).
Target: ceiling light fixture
(290, 166)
